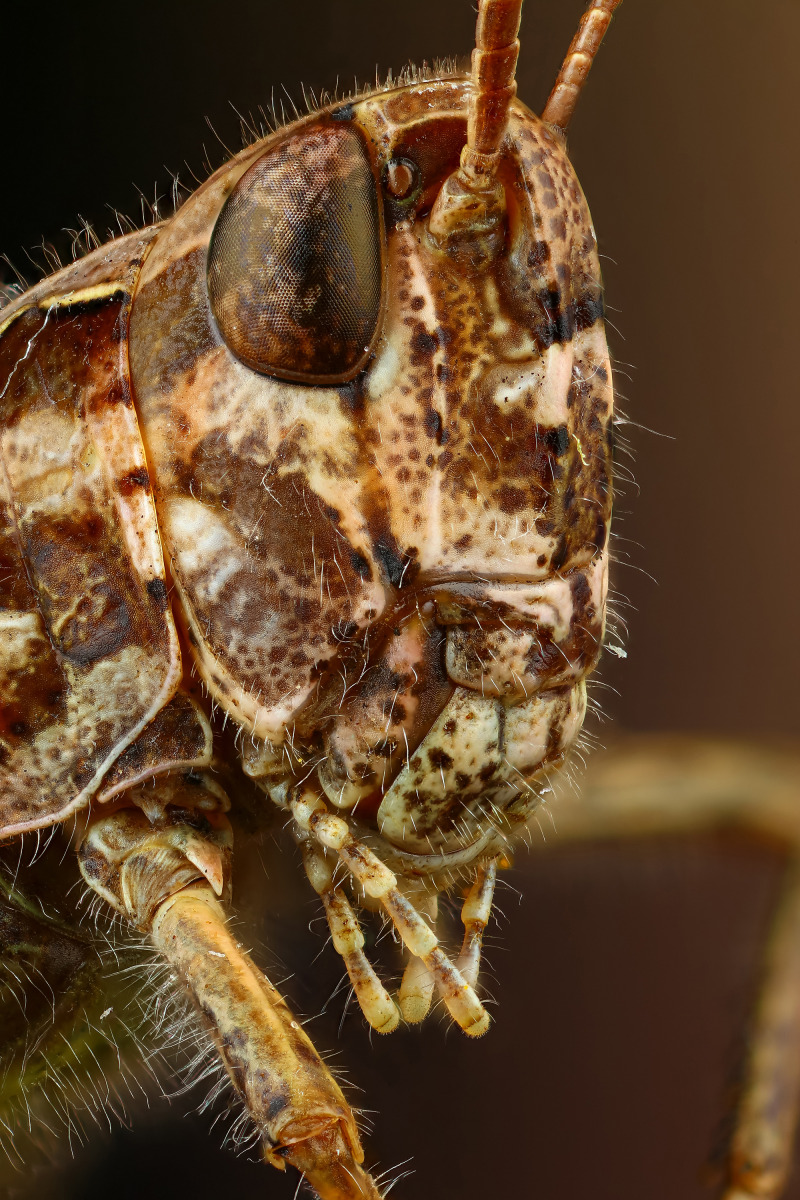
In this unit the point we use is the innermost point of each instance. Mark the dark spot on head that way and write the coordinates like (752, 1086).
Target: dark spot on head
(511, 499)
(157, 591)
(423, 342)
(118, 392)
(581, 594)
(352, 394)
(345, 112)
(588, 309)
(539, 255)
(90, 866)
(560, 554)
(398, 564)
(134, 480)
(600, 532)
(360, 565)
(558, 440)
(433, 422)
(276, 1106)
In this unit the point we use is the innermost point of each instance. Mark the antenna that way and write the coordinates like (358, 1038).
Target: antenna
(470, 207)
(578, 63)
(494, 61)
(469, 212)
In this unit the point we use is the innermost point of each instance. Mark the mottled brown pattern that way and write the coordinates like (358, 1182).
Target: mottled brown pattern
(384, 715)
(304, 524)
(88, 651)
(178, 736)
(352, 561)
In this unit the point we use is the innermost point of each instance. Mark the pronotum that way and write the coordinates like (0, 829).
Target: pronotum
(325, 456)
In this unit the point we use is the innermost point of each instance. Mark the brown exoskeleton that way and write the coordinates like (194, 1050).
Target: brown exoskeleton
(333, 440)
(357, 389)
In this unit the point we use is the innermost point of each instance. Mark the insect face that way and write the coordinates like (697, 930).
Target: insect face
(388, 512)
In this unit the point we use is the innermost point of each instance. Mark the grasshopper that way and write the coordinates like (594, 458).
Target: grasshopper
(324, 459)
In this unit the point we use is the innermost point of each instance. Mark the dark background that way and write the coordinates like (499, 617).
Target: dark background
(624, 975)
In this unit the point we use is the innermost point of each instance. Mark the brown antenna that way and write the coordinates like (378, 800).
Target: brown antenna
(494, 61)
(470, 207)
(578, 63)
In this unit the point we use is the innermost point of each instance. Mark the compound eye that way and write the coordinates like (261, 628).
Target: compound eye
(296, 259)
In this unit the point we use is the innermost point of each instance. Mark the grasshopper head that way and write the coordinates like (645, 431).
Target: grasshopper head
(379, 335)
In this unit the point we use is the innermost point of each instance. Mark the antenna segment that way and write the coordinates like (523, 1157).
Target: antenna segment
(578, 62)
(494, 62)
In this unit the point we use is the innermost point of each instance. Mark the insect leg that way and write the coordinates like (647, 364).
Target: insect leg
(418, 984)
(287, 1088)
(761, 1151)
(475, 917)
(165, 870)
(311, 814)
(348, 940)
(416, 991)
(53, 1043)
(671, 784)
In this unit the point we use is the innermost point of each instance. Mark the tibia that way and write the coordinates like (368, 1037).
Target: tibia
(165, 869)
(288, 1090)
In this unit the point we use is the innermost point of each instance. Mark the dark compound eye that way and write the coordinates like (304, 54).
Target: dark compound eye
(296, 259)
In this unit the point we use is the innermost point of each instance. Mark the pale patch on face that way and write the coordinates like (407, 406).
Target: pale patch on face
(384, 370)
(42, 453)
(18, 630)
(530, 727)
(499, 326)
(544, 379)
(209, 555)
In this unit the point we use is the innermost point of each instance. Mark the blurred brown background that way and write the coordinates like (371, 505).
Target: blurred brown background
(623, 976)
